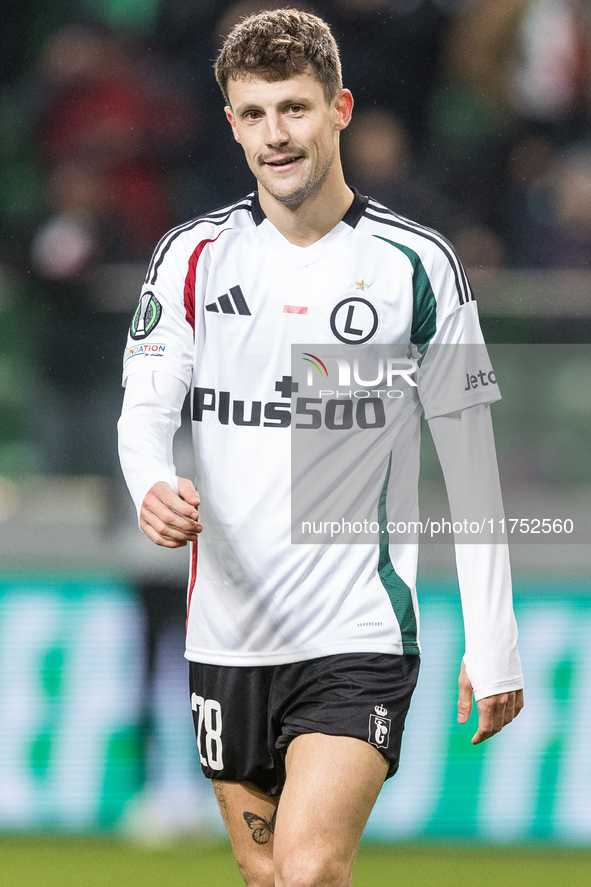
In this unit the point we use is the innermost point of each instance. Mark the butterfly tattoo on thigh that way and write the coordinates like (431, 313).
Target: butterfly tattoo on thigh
(261, 828)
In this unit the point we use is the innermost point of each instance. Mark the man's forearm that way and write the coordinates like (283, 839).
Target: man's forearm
(465, 446)
(150, 416)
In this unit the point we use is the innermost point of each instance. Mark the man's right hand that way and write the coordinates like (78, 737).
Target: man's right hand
(168, 519)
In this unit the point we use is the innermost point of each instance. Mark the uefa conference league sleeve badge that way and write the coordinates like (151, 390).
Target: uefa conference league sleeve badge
(146, 317)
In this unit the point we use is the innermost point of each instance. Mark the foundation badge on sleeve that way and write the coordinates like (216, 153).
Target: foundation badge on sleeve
(379, 727)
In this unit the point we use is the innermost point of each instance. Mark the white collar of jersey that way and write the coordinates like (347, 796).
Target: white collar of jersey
(301, 256)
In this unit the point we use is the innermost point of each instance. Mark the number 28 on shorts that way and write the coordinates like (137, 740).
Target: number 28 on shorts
(209, 714)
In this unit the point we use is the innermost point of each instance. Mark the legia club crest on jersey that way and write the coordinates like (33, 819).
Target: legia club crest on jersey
(379, 727)
(146, 317)
(354, 320)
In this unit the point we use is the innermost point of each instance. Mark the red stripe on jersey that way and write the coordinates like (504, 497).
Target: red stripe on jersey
(189, 292)
(193, 577)
(294, 309)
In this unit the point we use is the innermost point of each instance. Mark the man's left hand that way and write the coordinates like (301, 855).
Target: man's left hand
(494, 712)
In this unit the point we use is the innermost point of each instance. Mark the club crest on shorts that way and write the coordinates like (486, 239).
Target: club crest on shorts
(379, 727)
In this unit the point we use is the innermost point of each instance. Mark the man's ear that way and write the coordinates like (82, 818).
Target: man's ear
(232, 121)
(343, 108)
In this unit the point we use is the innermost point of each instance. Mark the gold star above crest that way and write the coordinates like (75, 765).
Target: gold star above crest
(361, 285)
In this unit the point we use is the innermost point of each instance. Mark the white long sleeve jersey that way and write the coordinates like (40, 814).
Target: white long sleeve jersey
(229, 311)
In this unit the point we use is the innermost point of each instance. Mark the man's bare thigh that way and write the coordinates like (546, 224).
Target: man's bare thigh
(249, 815)
(311, 834)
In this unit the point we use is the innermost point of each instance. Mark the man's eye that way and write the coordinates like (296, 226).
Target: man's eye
(295, 109)
(251, 115)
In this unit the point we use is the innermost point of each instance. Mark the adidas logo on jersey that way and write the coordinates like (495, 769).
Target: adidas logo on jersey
(227, 304)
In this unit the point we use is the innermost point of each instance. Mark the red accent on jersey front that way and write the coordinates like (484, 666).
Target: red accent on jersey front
(189, 292)
(194, 546)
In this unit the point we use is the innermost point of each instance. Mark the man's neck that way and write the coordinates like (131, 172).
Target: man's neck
(311, 220)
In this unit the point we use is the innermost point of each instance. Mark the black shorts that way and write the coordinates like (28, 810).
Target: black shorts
(246, 716)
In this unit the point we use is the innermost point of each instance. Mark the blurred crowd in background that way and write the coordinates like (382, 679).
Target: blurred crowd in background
(471, 116)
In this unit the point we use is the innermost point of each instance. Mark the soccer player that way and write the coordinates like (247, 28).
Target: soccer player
(303, 658)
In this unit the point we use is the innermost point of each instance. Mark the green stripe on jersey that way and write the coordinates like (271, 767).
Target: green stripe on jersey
(424, 309)
(398, 591)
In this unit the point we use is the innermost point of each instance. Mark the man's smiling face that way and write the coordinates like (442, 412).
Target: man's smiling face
(288, 131)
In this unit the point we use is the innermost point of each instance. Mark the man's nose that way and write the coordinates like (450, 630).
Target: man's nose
(276, 134)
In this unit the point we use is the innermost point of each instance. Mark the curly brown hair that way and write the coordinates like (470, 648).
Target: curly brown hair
(278, 44)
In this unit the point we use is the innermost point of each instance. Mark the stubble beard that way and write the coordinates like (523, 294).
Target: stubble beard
(303, 192)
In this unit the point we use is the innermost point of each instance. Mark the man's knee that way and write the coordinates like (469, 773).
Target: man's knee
(307, 869)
